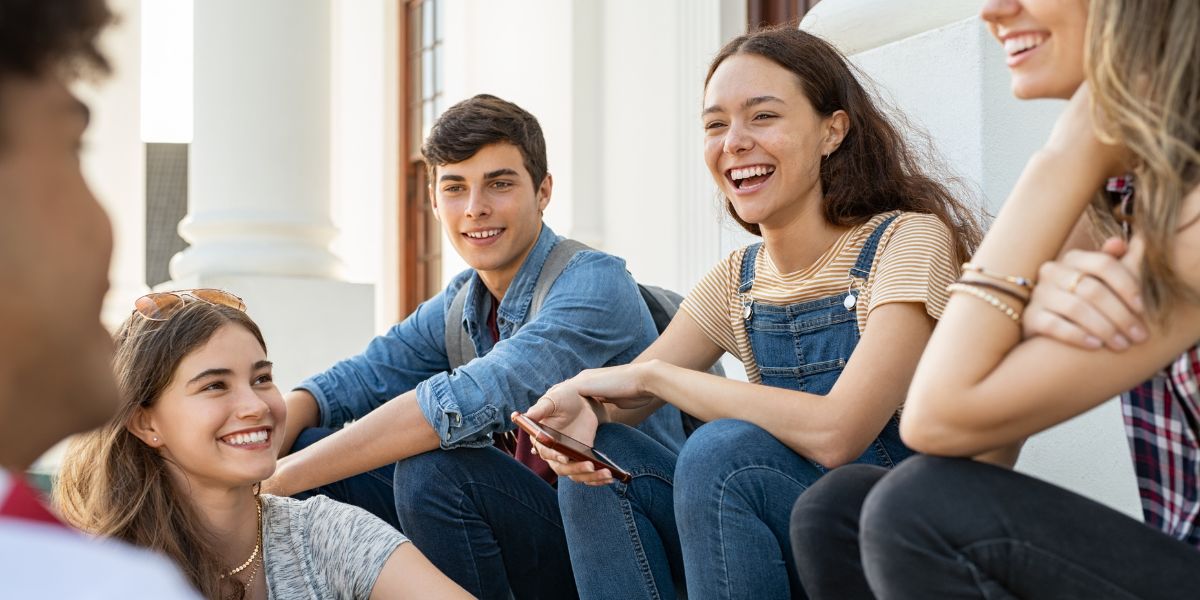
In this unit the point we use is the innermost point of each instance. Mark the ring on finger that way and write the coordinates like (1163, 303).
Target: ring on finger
(554, 404)
(1074, 282)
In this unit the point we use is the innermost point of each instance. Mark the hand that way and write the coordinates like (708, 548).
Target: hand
(1089, 300)
(1074, 135)
(568, 412)
(574, 407)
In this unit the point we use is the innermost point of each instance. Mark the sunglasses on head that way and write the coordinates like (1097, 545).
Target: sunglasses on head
(160, 306)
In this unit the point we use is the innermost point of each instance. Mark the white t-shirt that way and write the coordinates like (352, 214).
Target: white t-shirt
(39, 560)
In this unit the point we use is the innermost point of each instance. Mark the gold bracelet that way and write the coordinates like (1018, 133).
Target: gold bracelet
(1013, 279)
(999, 304)
(1018, 293)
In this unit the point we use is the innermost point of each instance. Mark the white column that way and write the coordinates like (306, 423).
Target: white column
(941, 68)
(259, 181)
(259, 164)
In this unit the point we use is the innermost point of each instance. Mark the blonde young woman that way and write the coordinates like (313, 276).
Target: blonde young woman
(177, 469)
(946, 526)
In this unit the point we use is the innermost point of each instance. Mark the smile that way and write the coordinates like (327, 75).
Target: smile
(747, 178)
(483, 235)
(1018, 44)
(248, 438)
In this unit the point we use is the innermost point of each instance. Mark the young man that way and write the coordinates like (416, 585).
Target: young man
(55, 245)
(487, 517)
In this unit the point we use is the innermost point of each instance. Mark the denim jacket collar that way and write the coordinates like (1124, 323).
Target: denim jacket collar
(514, 306)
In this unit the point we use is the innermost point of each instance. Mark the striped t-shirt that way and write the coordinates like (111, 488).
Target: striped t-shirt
(914, 263)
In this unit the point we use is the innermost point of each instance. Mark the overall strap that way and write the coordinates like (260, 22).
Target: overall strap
(460, 350)
(556, 261)
(862, 267)
(747, 276)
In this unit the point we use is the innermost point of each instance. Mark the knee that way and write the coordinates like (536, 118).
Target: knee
(421, 480)
(832, 505)
(910, 502)
(719, 457)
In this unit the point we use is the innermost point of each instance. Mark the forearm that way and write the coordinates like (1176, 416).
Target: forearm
(826, 429)
(302, 413)
(393, 432)
(973, 336)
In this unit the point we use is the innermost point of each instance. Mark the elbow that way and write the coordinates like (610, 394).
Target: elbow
(929, 434)
(839, 448)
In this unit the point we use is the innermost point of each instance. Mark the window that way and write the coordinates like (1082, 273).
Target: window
(422, 32)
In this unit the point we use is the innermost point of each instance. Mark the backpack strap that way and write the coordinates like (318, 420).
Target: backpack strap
(556, 261)
(460, 350)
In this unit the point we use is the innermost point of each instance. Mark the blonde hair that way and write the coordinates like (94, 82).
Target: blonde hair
(114, 485)
(1142, 60)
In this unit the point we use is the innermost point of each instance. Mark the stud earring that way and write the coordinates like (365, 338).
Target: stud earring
(155, 438)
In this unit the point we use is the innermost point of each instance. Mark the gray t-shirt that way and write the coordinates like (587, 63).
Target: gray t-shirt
(319, 548)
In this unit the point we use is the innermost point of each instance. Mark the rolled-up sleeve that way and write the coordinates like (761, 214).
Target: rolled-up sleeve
(392, 364)
(592, 316)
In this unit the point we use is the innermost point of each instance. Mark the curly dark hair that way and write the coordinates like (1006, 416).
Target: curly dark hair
(480, 121)
(40, 36)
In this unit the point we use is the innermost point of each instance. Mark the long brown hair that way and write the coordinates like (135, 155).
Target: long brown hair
(114, 485)
(1142, 61)
(875, 169)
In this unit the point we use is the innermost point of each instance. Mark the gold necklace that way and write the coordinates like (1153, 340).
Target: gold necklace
(257, 547)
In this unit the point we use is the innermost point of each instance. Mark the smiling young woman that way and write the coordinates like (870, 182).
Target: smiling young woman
(827, 313)
(177, 469)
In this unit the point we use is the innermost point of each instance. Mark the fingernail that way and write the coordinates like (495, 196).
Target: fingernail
(1139, 334)
(1119, 342)
(1093, 342)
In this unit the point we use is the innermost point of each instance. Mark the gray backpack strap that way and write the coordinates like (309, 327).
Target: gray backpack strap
(460, 350)
(560, 255)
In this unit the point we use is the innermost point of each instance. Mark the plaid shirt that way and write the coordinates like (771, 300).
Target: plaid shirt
(1162, 420)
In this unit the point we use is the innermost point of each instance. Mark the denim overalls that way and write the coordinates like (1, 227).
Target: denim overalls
(804, 346)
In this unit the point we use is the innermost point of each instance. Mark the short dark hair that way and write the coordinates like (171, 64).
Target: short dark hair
(37, 37)
(485, 119)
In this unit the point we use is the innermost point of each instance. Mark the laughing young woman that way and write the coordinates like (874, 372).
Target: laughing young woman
(946, 526)
(828, 314)
(176, 470)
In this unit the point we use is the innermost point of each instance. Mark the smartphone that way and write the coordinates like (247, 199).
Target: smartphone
(573, 448)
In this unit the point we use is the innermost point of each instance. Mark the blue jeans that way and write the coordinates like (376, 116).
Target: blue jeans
(732, 487)
(482, 518)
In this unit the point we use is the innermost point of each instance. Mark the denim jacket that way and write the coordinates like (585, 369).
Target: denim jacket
(593, 316)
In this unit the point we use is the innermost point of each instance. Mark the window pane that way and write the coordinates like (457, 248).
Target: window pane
(427, 23)
(428, 87)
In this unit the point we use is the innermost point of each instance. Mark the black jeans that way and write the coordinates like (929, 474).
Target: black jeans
(956, 528)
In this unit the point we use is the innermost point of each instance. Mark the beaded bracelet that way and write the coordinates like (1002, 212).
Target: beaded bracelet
(1021, 295)
(999, 304)
(1013, 279)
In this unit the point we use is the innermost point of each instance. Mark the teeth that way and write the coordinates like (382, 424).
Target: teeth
(242, 439)
(743, 173)
(479, 235)
(1021, 43)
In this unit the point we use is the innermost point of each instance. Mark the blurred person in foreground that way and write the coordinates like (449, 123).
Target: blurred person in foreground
(55, 245)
